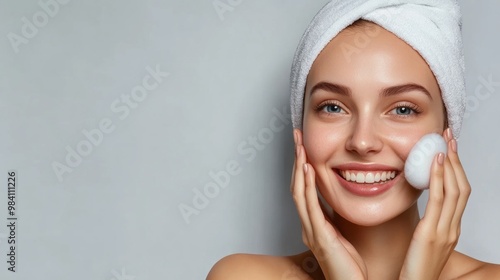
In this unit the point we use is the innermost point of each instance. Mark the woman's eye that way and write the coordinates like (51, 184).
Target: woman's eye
(332, 108)
(405, 110)
(329, 108)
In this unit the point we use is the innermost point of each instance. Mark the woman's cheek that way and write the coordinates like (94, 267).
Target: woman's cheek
(312, 147)
(403, 141)
(312, 143)
(320, 142)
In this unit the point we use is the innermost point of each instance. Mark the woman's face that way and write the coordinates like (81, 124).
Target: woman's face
(367, 102)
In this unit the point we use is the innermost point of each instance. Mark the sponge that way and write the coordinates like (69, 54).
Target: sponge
(419, 161)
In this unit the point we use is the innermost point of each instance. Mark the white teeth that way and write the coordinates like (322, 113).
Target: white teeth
(383, 176)
(360, 178)
(368, 177)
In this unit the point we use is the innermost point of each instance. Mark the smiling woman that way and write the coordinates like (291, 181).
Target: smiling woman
(356, 118)
(370, 120)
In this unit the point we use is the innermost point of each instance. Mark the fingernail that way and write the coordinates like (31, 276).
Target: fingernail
(441, 158)
(448, 133)
(454, 145)
(305, 168)
(295, 137)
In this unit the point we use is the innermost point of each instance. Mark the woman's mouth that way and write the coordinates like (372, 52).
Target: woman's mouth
(367, 183)
(367, 177)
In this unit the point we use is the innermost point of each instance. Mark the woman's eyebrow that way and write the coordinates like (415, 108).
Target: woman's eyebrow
(390, 91)
(335, 88)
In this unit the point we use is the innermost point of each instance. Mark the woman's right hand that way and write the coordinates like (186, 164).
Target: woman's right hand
(337, 257)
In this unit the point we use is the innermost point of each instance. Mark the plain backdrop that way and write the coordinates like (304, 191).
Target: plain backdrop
(110, 150)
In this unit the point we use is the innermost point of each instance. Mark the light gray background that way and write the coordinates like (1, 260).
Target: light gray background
(117, 213)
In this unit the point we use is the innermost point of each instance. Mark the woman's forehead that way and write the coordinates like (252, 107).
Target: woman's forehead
(370, 55)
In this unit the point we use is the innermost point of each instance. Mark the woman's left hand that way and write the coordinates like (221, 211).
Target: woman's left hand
(437, 233)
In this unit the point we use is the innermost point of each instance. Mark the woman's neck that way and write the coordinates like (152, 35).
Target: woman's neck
(382, 247)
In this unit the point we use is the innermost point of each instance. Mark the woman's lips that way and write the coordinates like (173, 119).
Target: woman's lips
(367, 176)
(366, 189)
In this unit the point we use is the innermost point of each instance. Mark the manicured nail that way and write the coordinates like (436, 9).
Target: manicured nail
(441, 158)
(454, 145)
(448, 134)
(305, 168)
(295, 137)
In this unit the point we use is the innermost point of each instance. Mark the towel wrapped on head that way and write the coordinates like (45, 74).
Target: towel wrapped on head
(433, 28)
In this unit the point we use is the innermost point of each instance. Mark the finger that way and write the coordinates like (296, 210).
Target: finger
(296, 148)
(292, 180)
(324, 234)
(435, 202)
(314, 210)
(447, 135)
(451, 195)
(326, 212)
(298, 192)
(299, 136)
(462, 181)
(297, 140)
(320, 225)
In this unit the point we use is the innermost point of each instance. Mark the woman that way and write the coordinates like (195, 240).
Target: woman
(361, 108)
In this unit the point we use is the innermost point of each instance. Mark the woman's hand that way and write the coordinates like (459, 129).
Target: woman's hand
(337, 258)
(438, 231)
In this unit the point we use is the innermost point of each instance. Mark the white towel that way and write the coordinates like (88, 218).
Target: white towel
(432, 27)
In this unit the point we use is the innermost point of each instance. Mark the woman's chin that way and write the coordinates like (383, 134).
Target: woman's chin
(374, 214)
(370, 210)
(366, 220)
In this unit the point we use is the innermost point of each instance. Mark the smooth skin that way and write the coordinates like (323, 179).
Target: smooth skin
(351, 120)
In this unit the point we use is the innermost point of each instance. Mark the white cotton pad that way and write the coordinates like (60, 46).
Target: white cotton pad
(419, 161)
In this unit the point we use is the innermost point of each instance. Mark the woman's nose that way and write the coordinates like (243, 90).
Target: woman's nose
(364, 138)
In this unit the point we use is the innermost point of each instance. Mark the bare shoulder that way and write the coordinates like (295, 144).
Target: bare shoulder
(463, 267)
(251, 266)
(489, 271)
(484, 271)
